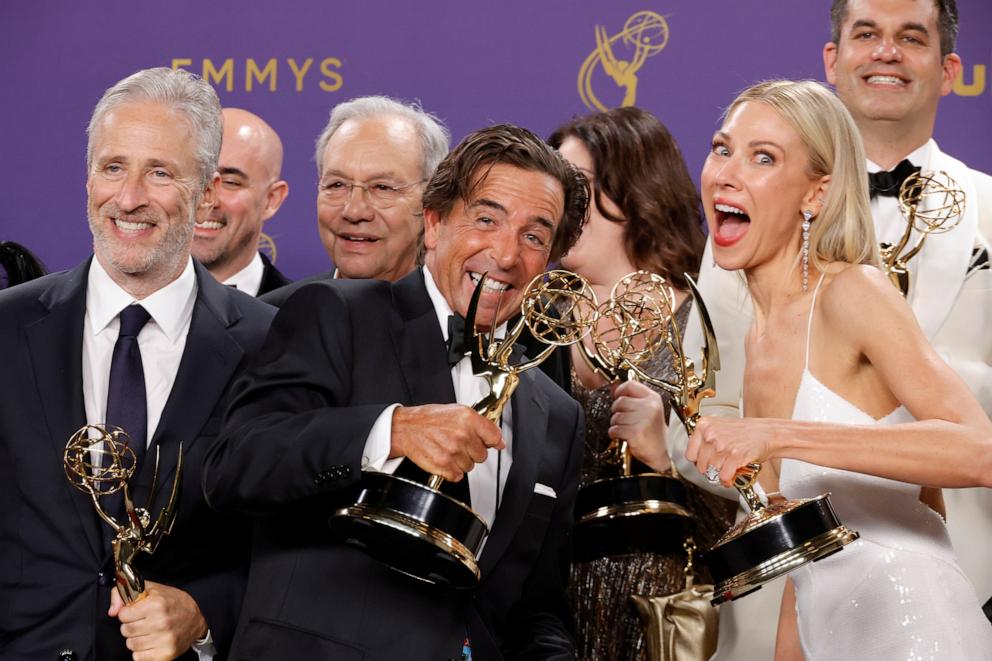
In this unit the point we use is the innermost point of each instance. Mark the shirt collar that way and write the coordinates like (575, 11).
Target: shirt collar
(441, 307)
(919, 157)
(249, 279)
(171, 307)
(443, 310)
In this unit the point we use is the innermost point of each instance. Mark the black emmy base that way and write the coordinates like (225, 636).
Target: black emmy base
(773, 541)
(633, 513)
(414, 529)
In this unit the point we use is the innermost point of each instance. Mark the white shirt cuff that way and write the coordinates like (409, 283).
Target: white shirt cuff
(204, 648)
(375, 457)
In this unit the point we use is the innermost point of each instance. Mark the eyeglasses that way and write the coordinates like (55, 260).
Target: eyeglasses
(379, 194)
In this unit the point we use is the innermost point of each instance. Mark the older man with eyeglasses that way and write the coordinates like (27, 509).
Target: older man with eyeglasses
(373, 158)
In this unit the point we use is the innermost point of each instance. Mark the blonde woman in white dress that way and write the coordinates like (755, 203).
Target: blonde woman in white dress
(842, 392)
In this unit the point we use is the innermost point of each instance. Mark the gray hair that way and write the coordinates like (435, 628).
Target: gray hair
(181, 91)
(434, 137)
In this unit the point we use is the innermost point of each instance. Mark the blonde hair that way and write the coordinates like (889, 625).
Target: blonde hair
(843, 231)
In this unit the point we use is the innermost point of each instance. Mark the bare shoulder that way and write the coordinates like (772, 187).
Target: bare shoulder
(855, 287)
(860, 298)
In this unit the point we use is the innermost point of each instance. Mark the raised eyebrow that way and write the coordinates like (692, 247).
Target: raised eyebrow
(490, 204)
(764, 143)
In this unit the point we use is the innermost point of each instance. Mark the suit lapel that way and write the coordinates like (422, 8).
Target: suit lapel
(530, 421)
(209, 360)
(419, 343)
(55, 342)
(939, 270)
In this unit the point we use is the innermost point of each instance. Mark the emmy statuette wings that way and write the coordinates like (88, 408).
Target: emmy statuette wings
(932, 203)
(98, 461)
(416, 529)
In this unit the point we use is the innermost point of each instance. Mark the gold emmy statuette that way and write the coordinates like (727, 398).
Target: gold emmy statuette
(932, 203)
(415, 528)
(99, 462)
(635, 510)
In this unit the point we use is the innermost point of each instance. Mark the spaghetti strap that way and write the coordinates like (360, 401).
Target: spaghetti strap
(809, 323)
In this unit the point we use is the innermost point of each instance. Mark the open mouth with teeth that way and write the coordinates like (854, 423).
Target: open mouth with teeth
(886, 80)
(491, 285)
(732, 224)
(209, 225)
(355, 238)
(131, 226)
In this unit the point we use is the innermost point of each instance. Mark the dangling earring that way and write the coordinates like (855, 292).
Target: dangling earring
(807, 221)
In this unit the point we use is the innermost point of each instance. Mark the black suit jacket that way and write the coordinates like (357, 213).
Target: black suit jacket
(52, 596)
(292, 444)
(278, 296)
(272, 278)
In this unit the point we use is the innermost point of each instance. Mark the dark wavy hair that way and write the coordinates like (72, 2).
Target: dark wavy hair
(465, 168)
(18, 264)
(947, 23)
(639, 167)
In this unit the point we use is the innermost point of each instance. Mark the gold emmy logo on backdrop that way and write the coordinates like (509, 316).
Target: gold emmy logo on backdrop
(932, 203)
(100, 465)
(643, 35)
(267, 245)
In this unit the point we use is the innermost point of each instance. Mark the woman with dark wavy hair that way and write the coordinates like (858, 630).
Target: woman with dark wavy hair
(646, 216)
(18, 264)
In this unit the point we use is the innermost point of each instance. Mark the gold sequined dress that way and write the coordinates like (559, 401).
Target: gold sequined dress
(608, 627)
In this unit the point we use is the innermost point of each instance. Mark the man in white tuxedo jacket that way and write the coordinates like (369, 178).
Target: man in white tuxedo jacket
(890, 61)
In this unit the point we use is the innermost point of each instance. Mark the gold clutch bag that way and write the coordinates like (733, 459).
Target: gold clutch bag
(681, 626)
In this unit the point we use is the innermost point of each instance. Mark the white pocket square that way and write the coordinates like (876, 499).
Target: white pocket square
(545, 490)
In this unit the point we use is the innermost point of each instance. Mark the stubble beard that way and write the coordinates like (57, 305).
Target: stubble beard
(164, 257)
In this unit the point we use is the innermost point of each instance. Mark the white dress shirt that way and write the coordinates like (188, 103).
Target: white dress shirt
(486, 477)
(161, 342)
(249, 279)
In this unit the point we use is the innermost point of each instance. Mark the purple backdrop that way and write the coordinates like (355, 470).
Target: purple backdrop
(471, 63)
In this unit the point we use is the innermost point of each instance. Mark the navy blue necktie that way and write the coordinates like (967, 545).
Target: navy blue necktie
(126, 399)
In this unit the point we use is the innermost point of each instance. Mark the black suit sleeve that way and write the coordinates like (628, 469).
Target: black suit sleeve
(290, 433)
(541, 626)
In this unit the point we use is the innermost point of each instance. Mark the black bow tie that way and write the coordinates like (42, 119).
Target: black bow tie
(888, 183)
(457, 349)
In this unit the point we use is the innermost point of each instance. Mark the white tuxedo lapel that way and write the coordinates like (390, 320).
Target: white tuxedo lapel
(938, 272)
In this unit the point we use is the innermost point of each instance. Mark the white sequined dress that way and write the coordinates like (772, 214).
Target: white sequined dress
(897, 593)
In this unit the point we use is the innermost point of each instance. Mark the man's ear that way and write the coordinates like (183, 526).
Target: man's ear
(274, 198)
(432, 225)
(830, 62)
(952, 69)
